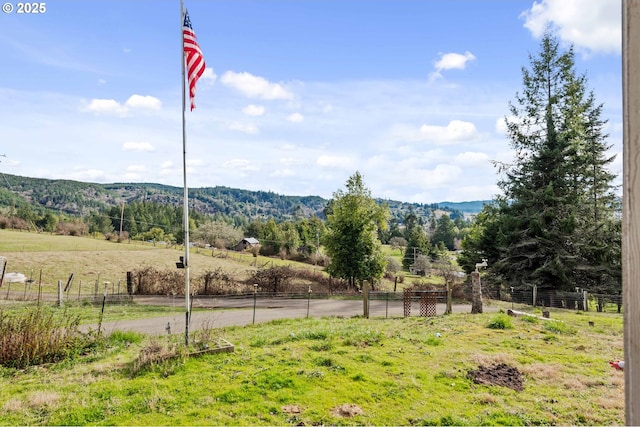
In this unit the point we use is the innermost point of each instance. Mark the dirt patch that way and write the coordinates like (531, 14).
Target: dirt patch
(500, 374)
(291, 409)
(347, 410)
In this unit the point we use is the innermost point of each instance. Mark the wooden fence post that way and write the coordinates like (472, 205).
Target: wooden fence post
(631, 206)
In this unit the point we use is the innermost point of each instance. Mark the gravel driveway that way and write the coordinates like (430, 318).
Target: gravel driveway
(231, 312)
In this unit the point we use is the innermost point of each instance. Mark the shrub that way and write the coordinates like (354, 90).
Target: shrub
(500, 321)
(38, 335)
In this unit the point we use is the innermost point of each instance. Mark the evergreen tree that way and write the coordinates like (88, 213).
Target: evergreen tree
(417, 244)
(445, 232)
(558, 196)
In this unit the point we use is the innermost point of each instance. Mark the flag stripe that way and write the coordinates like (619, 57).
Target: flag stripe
(193, 56)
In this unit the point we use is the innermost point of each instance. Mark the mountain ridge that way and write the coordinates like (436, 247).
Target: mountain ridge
(83, 198)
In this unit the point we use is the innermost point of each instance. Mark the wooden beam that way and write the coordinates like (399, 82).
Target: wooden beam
(631, 206)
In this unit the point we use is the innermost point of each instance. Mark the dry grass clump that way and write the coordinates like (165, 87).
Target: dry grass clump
(611, 402)
(155, 353)
(487, 399)
(42, 398)
(38, 336)
(492, 359)
(13, 405)
(549, 373)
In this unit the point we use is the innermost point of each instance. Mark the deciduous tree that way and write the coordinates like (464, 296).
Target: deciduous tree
(351, 241)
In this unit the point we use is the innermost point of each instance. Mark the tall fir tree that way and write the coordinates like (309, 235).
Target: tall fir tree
(557, 212)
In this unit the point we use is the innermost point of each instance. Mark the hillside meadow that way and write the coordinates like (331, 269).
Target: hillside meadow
(47, 258)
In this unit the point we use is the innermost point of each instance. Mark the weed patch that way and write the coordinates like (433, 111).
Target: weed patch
(39, 335)
(559, 328)
(500, 321)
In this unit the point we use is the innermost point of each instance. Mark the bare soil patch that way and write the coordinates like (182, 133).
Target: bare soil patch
(291, 409)
(500, 374)
(347, 410)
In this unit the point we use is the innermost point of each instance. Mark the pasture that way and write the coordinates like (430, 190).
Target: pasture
(341, 371)
(314, 371)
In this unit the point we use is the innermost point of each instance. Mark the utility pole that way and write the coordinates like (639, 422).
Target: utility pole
(121, 220)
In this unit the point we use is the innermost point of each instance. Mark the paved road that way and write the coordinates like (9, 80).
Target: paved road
(230, 312)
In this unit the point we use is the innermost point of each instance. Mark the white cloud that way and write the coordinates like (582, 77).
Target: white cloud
(195, 162)
(10, 163)
(472, 159)
(295, 118)
(113, 107)
(239, 164)
(102, 82)
(254, 86)
(253, 110)
(592, 26)
(91, 175)
(283, 173)
(166, 165)
(105, 106)
(143, 102)
(450, 61)
(335, 162)
(136, 168)
(137, 146)
(248, 128)
(455, 131)
(209, 75)
(290, 161)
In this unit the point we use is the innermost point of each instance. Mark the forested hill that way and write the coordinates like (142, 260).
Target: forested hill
(76, 198)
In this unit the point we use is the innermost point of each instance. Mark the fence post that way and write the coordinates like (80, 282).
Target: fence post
(535, 295)
(585, 300)
(365, 298)
(386, 312)
(476, 293)
(60, 293)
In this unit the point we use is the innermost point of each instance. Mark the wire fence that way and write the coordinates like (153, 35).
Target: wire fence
(581, 300)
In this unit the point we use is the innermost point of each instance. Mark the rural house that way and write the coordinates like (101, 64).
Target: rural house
(247, 243)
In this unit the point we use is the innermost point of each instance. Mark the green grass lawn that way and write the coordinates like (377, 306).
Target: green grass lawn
(341, 371)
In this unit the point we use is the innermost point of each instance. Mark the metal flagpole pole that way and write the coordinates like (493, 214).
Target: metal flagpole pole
(186, 191)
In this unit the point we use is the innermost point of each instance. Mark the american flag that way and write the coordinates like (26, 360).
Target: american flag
(193, 56)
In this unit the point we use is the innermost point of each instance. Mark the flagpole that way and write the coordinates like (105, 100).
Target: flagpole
(186, 190)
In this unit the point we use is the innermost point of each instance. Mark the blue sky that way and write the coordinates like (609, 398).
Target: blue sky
(297, 95)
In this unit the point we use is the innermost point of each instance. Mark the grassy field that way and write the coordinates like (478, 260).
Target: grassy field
(48, 258)
(342, 371)
(328, 371)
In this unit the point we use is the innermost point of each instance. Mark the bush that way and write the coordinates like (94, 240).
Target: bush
(152, 281)
(38, 335)
(500, 321)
